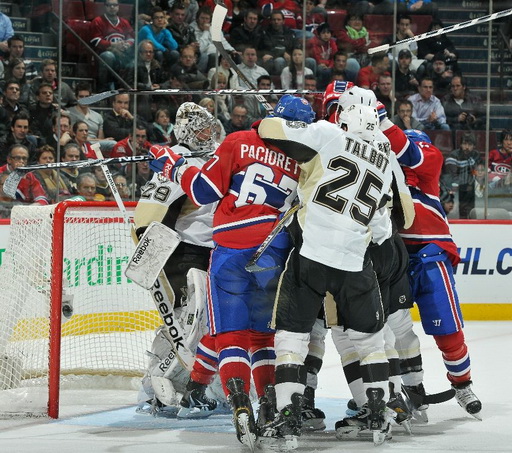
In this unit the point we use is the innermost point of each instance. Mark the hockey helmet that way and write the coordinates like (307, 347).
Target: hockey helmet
(417, 136)
(357, 95)
(360, 120)
(195, 127)
(292, 108)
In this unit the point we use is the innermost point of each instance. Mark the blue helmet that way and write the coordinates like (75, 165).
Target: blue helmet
(417, 136)
(292, 108)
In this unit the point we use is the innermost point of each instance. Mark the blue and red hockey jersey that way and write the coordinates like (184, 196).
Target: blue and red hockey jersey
(254, 184)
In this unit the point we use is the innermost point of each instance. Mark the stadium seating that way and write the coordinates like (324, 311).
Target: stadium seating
(71, 10)
(95, 9)
(336, 19)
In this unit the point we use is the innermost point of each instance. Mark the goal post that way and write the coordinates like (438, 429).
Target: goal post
(74, 252)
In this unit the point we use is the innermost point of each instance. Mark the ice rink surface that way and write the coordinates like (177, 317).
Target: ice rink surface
(106, 421)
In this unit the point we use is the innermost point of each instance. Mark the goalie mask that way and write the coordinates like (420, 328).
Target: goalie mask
(195, 128)
(360, 120)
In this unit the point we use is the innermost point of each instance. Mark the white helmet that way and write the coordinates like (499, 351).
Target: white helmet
(357, 95)
(360, 120)
(191, 119)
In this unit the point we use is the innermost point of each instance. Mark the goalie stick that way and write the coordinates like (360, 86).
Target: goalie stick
(14, 178)
(435, 398)
(94, 98)
(252, 265)
(442, 31)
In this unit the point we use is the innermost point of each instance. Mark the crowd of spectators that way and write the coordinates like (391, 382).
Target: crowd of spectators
(424, 90)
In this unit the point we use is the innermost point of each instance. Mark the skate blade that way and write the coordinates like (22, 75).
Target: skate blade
(313, 424)
(168, 412)
(381, 435)
(286, 443)
(347, 433)
(420, 416)
(247, 437)
(406, 424)
(194, 413)
(478, 416)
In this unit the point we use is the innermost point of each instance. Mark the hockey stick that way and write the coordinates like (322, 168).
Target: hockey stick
(94, 98)
(219, 15)
(442, 31)
(435, 398)
(14, 178)
(252, 265)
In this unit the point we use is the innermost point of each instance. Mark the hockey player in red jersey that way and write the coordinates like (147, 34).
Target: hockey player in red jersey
(253, 184)
(433, 253)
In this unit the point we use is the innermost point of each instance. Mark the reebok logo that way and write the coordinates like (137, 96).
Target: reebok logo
(165, 310)
(141, 249)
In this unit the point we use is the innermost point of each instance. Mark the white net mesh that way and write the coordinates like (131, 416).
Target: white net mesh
(112, 320)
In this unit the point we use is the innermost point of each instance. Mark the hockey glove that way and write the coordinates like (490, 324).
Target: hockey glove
(165, 161)
(381, 110)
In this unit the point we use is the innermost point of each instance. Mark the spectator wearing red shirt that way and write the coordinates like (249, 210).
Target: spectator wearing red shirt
(322, 48)
(354, 38)
(113, 39)
(29, 189)
(291, 11)
(125, 147)
(368, 77)
(500, 159)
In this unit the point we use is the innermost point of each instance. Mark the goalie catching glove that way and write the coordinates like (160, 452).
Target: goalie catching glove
(165, 161)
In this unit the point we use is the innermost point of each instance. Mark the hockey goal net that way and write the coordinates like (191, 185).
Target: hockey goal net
(74, 252)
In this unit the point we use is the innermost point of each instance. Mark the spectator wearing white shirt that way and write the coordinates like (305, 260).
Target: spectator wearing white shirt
(427, 108)
(292, 76)
(249, 67)
(207, 49)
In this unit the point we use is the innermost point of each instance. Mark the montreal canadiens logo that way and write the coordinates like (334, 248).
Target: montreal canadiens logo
(501, 168)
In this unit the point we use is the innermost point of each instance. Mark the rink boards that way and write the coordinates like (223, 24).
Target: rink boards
(483, 277)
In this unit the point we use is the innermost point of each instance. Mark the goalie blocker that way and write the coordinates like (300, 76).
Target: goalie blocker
(153, 250)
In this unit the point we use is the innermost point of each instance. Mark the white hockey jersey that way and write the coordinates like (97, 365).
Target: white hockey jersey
(341, 187)
(193, 223)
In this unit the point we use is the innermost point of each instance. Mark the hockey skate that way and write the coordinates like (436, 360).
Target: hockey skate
(312, 417)
(267, 410)
(195, 404)
(373, 416)
(418, 412)
(402, 414)
(467, 399)
(283, 432)
(243, 416)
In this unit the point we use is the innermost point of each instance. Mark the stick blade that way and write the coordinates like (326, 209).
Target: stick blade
(11, 183)
(219, 15)
(382, 48)
(254, 267)
(94, 98)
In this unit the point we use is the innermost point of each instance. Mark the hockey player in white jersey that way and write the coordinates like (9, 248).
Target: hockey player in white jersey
(184, 277)
(344, 182)
(391, 266)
